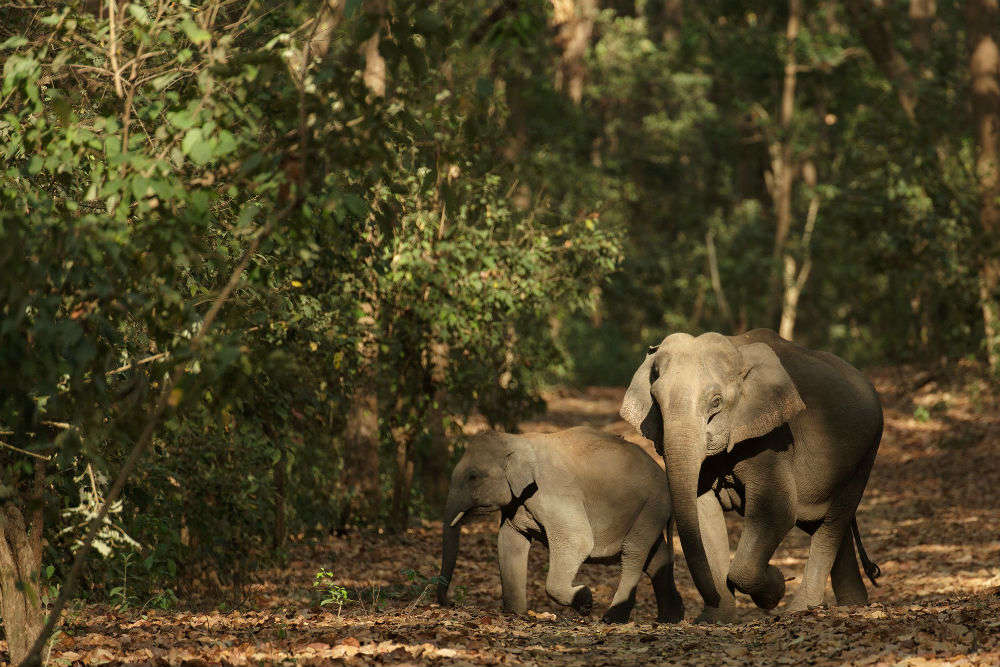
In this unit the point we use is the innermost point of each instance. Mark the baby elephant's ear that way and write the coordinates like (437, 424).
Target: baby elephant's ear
(519, 466)
(768, 397)
(638, 407)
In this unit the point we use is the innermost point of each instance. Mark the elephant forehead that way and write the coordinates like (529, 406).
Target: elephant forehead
(709, 356)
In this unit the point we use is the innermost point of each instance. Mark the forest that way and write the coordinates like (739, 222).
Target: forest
(266, 268)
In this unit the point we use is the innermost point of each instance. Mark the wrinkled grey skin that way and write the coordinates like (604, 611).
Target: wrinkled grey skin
(783, 435)
(586, 495)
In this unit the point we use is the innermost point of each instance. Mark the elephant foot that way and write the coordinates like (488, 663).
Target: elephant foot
(583, 601)
(716, 615)
(514, 611)
(769, 595)
(796, 606)
(618, 613)
(673, 613)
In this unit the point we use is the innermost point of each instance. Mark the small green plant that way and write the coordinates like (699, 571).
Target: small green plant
(165, 599)
(119, 594)
(921, 414)
(50, 589)
(330, 592)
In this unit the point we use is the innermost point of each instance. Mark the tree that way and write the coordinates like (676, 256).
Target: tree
(983, 17)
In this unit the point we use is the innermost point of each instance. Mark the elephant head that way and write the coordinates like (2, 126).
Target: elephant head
(697, 397)
(495, 470)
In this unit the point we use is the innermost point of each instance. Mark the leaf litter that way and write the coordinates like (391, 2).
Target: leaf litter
(930, 518)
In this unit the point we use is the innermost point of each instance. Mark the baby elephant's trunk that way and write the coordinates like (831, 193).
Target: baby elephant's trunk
(449, 553)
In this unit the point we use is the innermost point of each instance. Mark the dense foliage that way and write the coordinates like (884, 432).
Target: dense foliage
(442, 207)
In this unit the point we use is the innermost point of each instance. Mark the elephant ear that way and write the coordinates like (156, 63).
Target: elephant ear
(768, 397)
(519, 466)
(638, 407)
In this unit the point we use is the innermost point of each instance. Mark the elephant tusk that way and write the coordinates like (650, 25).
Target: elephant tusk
(458, 517)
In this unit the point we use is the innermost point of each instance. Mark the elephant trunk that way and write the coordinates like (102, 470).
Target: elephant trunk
(683, 453)
(451, 531)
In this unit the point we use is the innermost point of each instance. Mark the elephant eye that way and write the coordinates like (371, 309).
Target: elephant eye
(716, 402)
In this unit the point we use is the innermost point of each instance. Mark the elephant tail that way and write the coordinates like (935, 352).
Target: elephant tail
(871, 568)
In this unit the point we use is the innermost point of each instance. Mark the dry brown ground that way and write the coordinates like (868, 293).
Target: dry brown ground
(930, 517)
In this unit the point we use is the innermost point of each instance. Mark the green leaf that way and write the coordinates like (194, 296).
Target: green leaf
(196, 146)
(192, 142)
(138, 12)
(356, 205)
(227, 143)
(14, 42)
(53, 19)
(194, 32)
(181, 119)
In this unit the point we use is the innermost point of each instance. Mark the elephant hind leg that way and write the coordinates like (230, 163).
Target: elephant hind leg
(848, 586)
(824, 548)
(831, 551)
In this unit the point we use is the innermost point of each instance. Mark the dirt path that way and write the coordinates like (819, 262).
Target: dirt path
(931, 518)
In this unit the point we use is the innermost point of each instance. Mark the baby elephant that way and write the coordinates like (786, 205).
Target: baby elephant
(587, 495)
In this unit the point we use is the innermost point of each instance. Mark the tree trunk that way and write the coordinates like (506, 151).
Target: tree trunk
(665, 19)
(434, 459)
(361, 454)
(795, 278)
(280, 523)
(574, 24)
(782, 177)
(20, 569)
(374, 74)
(402, 483)
(922, 14)
(720, 294)
(983, 17)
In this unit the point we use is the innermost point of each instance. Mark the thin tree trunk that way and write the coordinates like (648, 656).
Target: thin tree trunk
(665, 18)
(983, 19)
(574, 24)
(402, 482)
(794, 277)
(782, 177)
(713, 274)
(361, 453)
(280, 523)
(374, 74)
(435, 458)
(922, 13)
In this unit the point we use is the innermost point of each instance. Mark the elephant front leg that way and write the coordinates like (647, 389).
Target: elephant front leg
(770, 514)
(715, 540)
(669, 605)
(513, 550)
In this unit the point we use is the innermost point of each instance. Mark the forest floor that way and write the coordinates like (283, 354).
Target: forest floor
(930, 518)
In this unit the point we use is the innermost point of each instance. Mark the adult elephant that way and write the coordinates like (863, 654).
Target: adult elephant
(781, 434)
